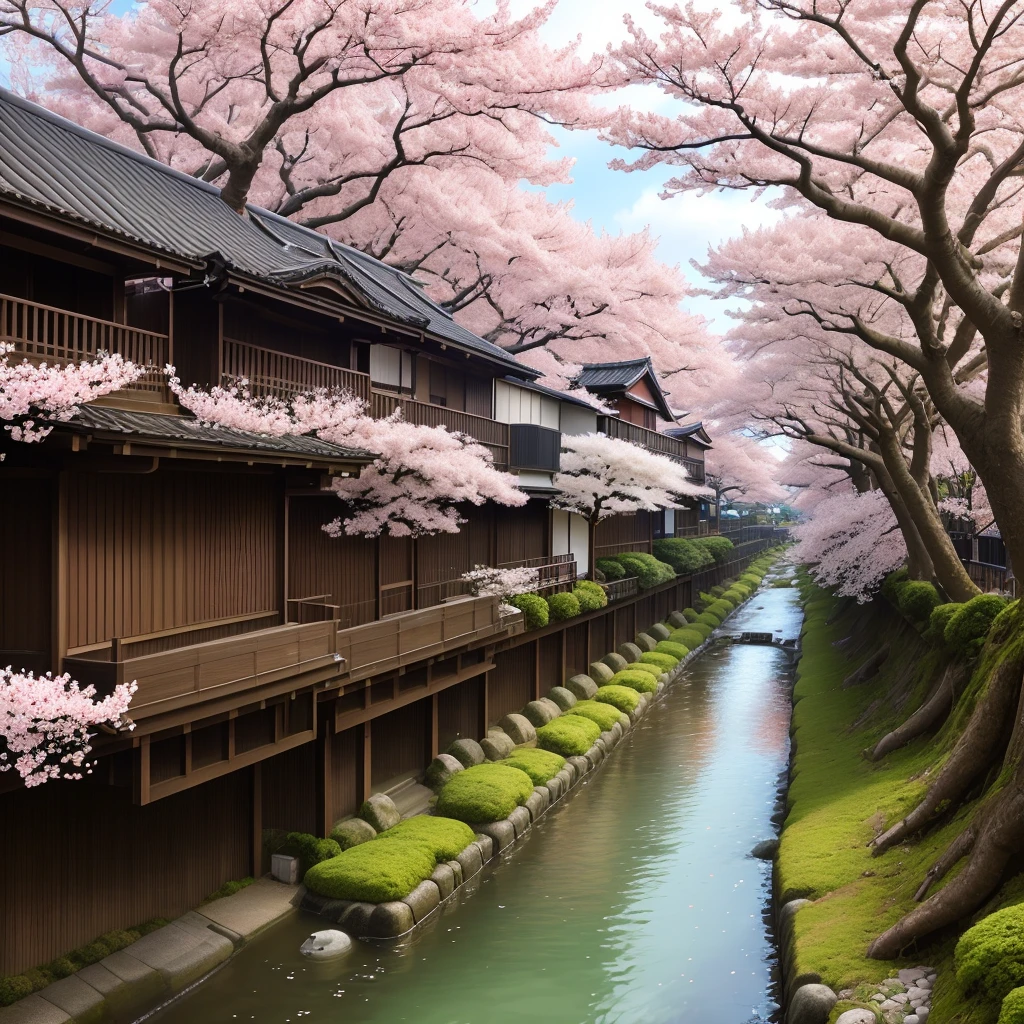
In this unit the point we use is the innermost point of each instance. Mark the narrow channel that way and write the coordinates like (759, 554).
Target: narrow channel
(634, 902)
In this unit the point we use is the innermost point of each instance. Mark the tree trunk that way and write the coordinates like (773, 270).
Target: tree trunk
(930, 715)
(983, 743)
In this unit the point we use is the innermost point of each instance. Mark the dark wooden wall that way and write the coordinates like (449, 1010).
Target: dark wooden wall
(80, 859)
(343, 567)
(25, 580)
(510, 683)
(292, 331)
(446, 556)
(459, 712)
(623, 533)
(399, 742)
(289, 790)
(346, 772)
(523, 532)
(166, 550)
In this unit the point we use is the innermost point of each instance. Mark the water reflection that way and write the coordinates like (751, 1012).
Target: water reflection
(635, 902)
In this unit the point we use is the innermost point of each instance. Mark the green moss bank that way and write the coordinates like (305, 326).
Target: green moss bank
(838, 801)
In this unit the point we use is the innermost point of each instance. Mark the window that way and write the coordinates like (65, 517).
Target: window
(391, 368)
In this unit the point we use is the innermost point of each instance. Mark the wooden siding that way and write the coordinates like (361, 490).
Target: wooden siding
(25, 574)
(549, 662)
(576, 653)
(395, 568)
(166, 550)
(86, 860)
(602, 636)
(342, 568)
(459, 712)
(444, 557)
(289, 790)
(295, 332)
(346, 772)
(398, 742)
(524, 533)
(622, 533)
(510, 684)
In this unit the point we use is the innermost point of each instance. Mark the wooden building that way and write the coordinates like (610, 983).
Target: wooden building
(283, 675)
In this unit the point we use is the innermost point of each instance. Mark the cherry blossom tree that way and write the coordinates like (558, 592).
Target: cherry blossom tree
(33, 397)
(603, 476)
(485, 581)
(900, 121)
(417, 479)
(47, 723)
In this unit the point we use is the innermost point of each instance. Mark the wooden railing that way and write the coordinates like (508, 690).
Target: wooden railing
(488, 432)
(277, 373)
(991, 577)
(552, 570)
(620, 590)
(170, 680)
(653, 441)
(46, 334)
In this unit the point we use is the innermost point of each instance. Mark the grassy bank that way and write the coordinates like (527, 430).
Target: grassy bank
(839, 801)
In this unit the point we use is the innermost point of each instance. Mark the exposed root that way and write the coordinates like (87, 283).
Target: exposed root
(999, 837)
(868, 670)
(955, 852)
(927, 717)
(982, 744)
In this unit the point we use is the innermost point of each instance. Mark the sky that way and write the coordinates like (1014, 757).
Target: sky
(616, 201)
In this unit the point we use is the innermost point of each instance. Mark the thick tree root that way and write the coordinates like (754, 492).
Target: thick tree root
(998, 838)
(983, 743)
(955, 852)
(868, 670)
(927, 717)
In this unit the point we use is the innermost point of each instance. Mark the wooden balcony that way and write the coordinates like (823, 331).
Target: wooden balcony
(55, 336)
(488, 432)
(621, 590)
(219, 673)
(277, 373)
(653, 441)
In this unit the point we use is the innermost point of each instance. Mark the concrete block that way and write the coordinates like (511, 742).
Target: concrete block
(444, 878)
(538, 802)
(456, 871)
(486, 847)
(424, 899)
(182, 951)
(252, 909)
(563, 697)
(520, 729)
(468, 752)
(659, 631)
(470, 861)
(645, 642)
(33, 1010)
(617, 662)
(78, 999)
(520, 819)
(380, 811)
(284, 868)
(540, 713)
(582, 687)
(501, 832)
(389, 920)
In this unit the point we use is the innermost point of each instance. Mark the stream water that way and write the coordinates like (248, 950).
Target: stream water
(634, 901)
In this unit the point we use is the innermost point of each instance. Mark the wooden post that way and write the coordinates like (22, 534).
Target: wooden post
(325, 775)
(434, 751)
(536, 670)
(256, 860)
(485, 718)
(142, 772)
(59, 574)
(367, 772)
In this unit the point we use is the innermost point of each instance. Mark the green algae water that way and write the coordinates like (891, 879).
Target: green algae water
(634, 901)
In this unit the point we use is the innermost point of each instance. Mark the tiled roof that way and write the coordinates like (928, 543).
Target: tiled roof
(616, 378)
(188, 432)
(691, 431)
(50, 163)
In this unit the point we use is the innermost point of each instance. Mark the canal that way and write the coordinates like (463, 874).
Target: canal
(634, 901)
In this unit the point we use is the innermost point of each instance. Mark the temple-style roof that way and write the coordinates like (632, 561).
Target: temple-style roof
(615, 380)
(694, 432)
(188, 434)
(49, 164)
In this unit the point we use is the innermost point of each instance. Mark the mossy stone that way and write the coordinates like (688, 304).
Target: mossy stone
(678, 620)
(539, 712)
(425, 898)
(467, 752)
(659, 630)
(645, 642)
(563, 697)
(518, 728)
(353, 831)
(389, 920)
(631, 652)
(601, 672)
(617, 662)
(497, 745)
(380, 811)
(582, 687)
(439, 771)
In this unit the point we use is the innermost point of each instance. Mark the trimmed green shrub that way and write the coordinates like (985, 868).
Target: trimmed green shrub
(375, 872)
(721, 608)
(309, 849)
(709, 619)
(590, 595)
(917, 599)
(737, 592)
(533, 607)
(990, 956)
(562, 607)
(611, 569)
(690, 614)
(540, 765)
(660, 659)
(646, 568)
(445, 837)
(691, 637)
(683, 555)
(1012, 1011)
(643, 666)
(569, 735)
(642, 682)
(753, 579)
(604, 715)
(720, 548)
(673, 648)
(486, 792)
(621, 697)
(966, 631)
(1004, 621)
(938, 621)
(716, 591)
(893, 584)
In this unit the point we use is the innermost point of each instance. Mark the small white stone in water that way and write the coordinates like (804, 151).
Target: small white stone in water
(912, 1019)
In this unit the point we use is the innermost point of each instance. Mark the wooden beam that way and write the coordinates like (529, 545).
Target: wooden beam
(434, 751)
(367, 770)
(256, 853)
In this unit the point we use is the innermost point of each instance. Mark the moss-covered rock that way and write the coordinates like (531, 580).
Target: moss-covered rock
(673, 649)
(541, 765)
(691, 614)
(439, 771)
(623, 698)
(616, 662)
(583, 686)
(487, 792)
(568, 735)
(600, 672)
(660, 659)
(990, 956)
(645, 642)
(630, 651)
(497, 744)
(709, 619)
(380, 811)
(353, 831)
(917, 600)
(677, 620)
(1012, 1011)
(691, 637)
(967, 629)
(642, 682)
(659, 630)
(519, 728)
(541, 712)
(604, 715)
